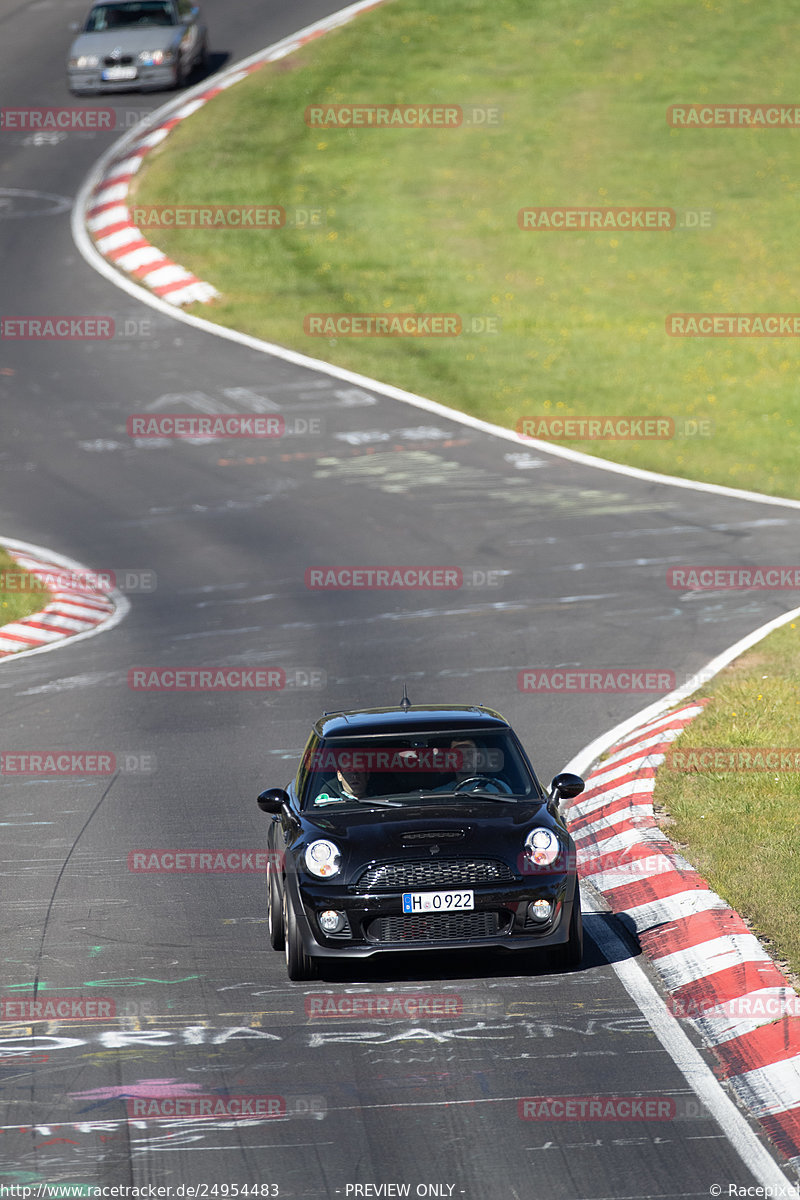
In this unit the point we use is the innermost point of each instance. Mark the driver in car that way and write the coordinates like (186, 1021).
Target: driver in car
(350, 783)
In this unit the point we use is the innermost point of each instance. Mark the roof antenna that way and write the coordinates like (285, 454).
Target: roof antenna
(405, 703)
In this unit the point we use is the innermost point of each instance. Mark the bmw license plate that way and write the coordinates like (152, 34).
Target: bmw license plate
(425, 902)
(115, 74)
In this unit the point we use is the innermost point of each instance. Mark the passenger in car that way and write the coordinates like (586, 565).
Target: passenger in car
(470, 767)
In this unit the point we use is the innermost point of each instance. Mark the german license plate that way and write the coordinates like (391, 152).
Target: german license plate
(425, 902)
(116, 74)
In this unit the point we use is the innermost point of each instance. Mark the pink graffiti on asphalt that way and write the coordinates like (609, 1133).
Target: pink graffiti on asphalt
(142, 1088)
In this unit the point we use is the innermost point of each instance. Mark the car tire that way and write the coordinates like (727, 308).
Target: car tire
(274, 910)
(570, 954)
(299, 965)
(202, 60)
(180, 74)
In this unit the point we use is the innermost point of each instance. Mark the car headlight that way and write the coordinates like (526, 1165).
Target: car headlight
(542, 847)
(323, 859)
(156, 58)
(81, 61)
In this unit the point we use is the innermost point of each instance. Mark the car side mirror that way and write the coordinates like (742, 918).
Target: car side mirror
(565, 787)
(273, 800)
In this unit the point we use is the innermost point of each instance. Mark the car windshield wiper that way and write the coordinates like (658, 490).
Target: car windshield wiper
(504, 799)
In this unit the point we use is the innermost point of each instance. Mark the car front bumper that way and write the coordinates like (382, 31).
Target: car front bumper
(378, 925)
(90, 79)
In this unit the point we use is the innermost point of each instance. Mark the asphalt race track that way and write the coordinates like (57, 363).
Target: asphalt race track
(565, 564)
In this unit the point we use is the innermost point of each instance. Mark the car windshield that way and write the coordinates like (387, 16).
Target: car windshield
(448, 767)
(106, 18)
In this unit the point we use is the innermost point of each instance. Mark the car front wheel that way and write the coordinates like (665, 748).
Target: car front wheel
(299, 965)
(571, 953)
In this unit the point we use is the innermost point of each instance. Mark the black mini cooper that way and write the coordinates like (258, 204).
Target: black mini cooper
(419, 828)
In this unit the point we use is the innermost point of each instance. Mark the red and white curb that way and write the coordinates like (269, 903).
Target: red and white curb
(77, 610)
(702, 950)
(107, 215)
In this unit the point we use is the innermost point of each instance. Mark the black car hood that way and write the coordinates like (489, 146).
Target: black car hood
(387, 818)
(483, 828)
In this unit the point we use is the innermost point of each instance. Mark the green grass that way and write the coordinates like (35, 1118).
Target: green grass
(14, 605)
(426, 221)
(740, 829)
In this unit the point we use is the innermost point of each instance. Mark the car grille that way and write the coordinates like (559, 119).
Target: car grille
(124, 60)
(444, 872)
(412, 836)
(434, 927)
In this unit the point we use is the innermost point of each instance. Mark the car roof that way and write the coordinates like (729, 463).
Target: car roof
(429, 718)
